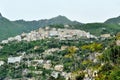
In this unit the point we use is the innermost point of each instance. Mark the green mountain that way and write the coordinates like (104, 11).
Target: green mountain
(45, 22)
(115, 20)
(99, 28)
(8, 28)
(12, 28)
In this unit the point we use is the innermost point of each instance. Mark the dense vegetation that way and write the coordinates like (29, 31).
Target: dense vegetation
(77, 57)
(68, 57)
(74, 58)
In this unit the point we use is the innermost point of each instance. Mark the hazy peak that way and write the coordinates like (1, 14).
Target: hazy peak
(60, 17)
(0, 15)
(115, 20)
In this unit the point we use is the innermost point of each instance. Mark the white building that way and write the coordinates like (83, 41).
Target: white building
(105, 36)
(47, 66)
(53, 33)
(4, 42)
(48, 61)
(14, 59)
(55, 74)
(18, 38)
(10, 39)
(1, 63)
(59, 67)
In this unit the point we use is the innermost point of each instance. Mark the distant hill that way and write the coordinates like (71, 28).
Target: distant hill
(8, 28)
(115, 20)
(31, 25)
(99, 28)
(111, 26)
(12, 28)
(41, 23)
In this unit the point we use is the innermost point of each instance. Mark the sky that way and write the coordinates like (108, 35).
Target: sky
(85, 11)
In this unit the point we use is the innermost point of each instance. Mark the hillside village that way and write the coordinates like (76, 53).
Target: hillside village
(59, 39)
(55, 54)
(61, 34)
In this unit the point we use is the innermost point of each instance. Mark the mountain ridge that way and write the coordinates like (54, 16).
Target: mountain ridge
(115, 20)
(10, 28)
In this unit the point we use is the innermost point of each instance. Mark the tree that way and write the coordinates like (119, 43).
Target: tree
(118, 36)
(115, 75)
(94, 47)
(71, 54)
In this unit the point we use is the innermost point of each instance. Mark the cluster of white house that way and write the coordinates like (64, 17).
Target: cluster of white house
(56, 70)
(62, 34)
(46, 64)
